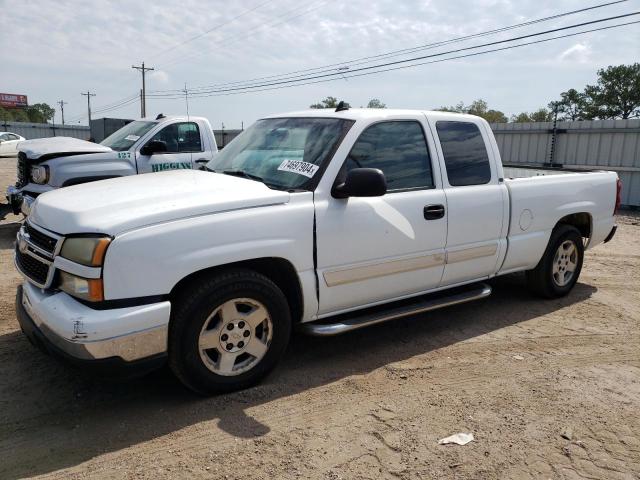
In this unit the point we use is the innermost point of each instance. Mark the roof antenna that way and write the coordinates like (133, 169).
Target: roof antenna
(160, 116)
(342, 106)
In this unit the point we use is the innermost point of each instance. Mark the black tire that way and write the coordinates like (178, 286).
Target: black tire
(541, 280)
(192, 309)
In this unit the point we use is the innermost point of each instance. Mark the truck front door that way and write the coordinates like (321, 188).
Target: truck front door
(182, 140)
(376, 249)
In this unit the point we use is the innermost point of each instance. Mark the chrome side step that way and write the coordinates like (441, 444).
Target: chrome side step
(353, 321)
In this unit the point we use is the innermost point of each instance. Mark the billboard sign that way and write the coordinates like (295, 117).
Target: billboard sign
(12, 100)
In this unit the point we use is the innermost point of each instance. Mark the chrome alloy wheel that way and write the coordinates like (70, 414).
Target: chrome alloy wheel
(565, 263)
(235, 337)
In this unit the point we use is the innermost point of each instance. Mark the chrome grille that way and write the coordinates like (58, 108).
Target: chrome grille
(35, 251)
(40, 239)
(35, 269)
(23, 170)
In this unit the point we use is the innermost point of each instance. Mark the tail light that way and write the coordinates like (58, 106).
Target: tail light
(618, 196)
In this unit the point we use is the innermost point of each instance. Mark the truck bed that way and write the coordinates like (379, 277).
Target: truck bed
(538, 197)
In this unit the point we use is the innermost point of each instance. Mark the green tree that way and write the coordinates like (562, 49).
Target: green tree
(540, 115)
(571, 106)
(329, 102)
(479, 108)
(4, 114)
(522, 117)
(375, 103)
(40, 112)
(459, 108)
(616, 93)
(19, 115)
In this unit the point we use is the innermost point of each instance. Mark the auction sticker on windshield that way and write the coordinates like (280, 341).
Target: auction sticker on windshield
(298, 166)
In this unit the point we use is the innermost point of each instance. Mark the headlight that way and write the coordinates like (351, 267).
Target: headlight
(90, 289)
(40, 174)
(87, 251)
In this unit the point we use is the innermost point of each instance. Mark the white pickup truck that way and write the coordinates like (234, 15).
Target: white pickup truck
(318, 220)
(142, 146)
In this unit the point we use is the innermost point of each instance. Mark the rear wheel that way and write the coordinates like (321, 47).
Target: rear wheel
(228, 332)
(559, 269)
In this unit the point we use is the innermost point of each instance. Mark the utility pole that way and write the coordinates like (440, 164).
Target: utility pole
(143, 100)
(89, 95)
(62, 103)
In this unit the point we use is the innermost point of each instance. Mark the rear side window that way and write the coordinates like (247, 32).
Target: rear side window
(465, 154)
(399, 149)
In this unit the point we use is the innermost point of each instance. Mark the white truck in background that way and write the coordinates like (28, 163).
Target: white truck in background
(318, 220)
(142, 146)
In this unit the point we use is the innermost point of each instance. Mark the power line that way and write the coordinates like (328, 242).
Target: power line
(400, 67)
(394, 53)
(109, 107)
(350, 71)
(248, 33)
(217, 27)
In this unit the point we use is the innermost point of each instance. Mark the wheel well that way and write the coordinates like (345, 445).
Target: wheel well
(278, 270)
(582, 221)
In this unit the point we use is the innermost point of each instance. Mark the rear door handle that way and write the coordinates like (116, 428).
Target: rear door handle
(433, 212)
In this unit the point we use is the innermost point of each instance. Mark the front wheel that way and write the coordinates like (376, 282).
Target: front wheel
(560, 266)
(228, 332)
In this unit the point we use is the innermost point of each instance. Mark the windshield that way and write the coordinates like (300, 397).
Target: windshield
(122, 139)
(284, 153)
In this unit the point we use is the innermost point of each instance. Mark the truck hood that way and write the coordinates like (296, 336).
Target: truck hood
(120, 204)
(47, 148)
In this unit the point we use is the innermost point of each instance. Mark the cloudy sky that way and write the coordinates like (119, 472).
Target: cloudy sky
(55, 50)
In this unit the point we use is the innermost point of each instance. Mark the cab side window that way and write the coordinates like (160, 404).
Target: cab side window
(189, 137)
(399, 149)
(180, 137)
(465, 154)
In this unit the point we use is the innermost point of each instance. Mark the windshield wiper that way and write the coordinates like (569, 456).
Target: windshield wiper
(243, 174)
(250, 176)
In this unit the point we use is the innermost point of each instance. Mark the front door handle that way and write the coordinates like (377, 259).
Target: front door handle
(433, 212)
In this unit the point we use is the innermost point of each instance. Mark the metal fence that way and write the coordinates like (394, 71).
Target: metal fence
(43, 130)
(596, 144)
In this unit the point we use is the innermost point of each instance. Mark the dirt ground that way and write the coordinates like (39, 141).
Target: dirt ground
(549, 389)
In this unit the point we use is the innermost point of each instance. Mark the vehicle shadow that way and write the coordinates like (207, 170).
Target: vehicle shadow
(8, 233)
(53, 418)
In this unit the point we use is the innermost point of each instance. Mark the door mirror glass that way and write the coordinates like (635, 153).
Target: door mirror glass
(154, 146)
(361, 182)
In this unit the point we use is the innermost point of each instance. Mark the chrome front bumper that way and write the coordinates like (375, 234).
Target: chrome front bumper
(82, 333)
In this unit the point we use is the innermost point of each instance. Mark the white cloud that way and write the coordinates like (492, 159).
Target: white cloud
(579, 53)
(159, 76)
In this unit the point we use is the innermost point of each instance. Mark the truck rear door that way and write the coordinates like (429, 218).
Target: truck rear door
(183, 140)
(477, 199)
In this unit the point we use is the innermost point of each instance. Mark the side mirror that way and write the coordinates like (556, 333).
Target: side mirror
(154, 146)
(361, 182)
